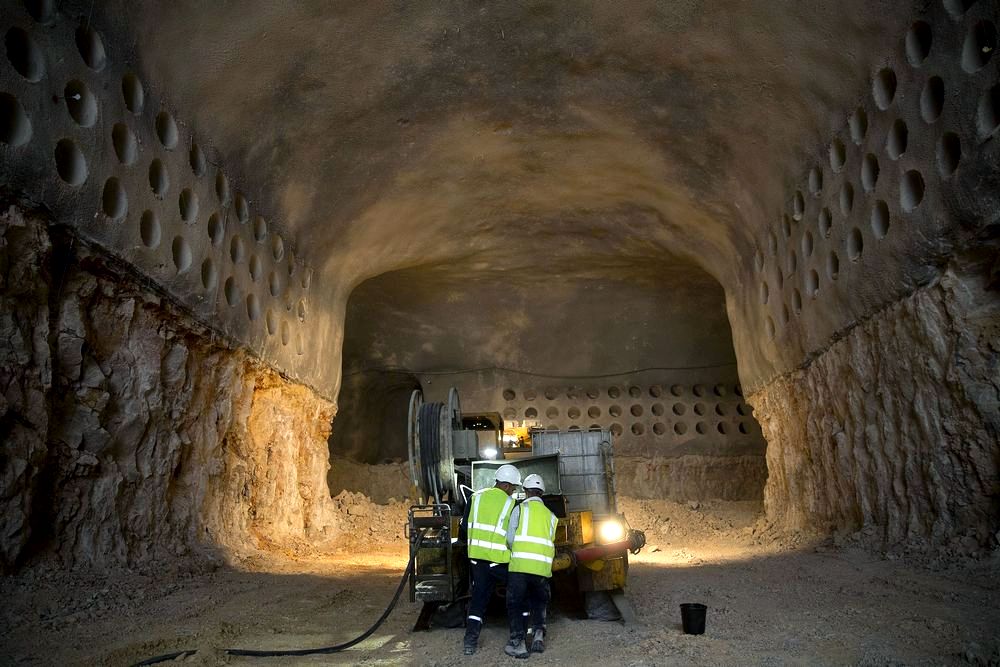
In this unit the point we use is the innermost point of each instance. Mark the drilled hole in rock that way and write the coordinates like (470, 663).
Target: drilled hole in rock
(80, 103)
(869, 172)
(911, 190)
(812, 283)
(43, 11)
(949, 154)
(307, 277)
(573, 413)
(124, 143)
(932, 99)
(24, 55)
(614, 392)
(237, 250)
(918, 43)
(798, 206)
(255, 268)
(796, 301)
(772, 243)
(634, 392)
(742, 409)
(133, 93)
(988, 112)
(895, 144)
(209, 274)
(979, 45)
(638, 429)
(300, 310)
(615, 411)
(277, 248)
(855, 244)
(846, 199)
(222, 188)
(858, 125)
(636, 410)
(593, 412)
(531, 413)
(676, 390)
(656, 391)
(114, 201)
(758, 259)
(884, 88)
(593, 393)
(253, 307)
(159, 180)
(530, 395)
(816, 181)
(231, 291)
(722, 427)
(187, 204)
(786, 226)
(807, 244)
(659, 429)
(880, 219)
(259, 229)
(181, 252)
(769, 327)
(166, 130)
(616, 429)
(680, 428)
(196, 157)
(216, 230)
(784, 314)
(286, 333)
(70, 163)
(779, 278)
(242, 208)
(657, 409)
(551, 393)
(274, 284)
(838, 155)
(699, 390)
(792, 262)
(957, 8)
(149, 229)
(720, 409)
(832, 266)
(271, 321)
(678, 409)
(701, 427)
(764, 293)
(91, 48)
(15, 126)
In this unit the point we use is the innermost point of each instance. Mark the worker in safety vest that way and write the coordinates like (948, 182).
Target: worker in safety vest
(486, 535)
(531, 537)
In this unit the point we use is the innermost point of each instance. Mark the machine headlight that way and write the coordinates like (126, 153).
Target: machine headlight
(490, 453)
(610, 531)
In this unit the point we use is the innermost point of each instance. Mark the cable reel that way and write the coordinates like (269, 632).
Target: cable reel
(430, 445)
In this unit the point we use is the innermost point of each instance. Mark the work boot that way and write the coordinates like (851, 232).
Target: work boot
(471, 642)
(518, 650)
(538, 641)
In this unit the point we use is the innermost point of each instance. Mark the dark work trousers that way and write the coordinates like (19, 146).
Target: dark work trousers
(527, 598)
(485, 577)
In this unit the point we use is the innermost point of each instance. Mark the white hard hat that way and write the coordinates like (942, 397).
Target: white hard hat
(534, 482)
(508, 473)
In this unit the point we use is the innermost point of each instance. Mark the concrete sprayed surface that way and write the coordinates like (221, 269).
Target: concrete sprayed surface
(772, 601)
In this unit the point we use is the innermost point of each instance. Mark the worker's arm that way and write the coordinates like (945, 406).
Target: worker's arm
(463, 525)
(515, 516)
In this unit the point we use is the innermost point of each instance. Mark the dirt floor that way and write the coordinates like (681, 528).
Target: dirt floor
(773, 600)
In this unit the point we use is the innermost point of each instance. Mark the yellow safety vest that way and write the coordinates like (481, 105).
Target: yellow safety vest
(534, 542)
(489, 518)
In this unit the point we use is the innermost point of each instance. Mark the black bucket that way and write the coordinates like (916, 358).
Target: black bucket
(693, 618)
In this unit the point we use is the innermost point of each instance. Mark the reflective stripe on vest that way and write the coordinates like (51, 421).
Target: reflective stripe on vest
(487, 530)
(534, 545)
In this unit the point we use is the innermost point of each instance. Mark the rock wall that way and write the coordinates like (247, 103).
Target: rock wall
(132, 434)
(895, 428)
(691, 477)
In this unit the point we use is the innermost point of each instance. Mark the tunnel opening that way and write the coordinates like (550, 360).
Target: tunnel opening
(641, 349)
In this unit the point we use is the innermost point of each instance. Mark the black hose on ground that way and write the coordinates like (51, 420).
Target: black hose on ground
(305, 651)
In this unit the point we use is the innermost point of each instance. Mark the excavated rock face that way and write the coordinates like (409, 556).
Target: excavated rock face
(128, 434)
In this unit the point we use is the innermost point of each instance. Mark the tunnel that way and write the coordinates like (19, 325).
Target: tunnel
(757, 244)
